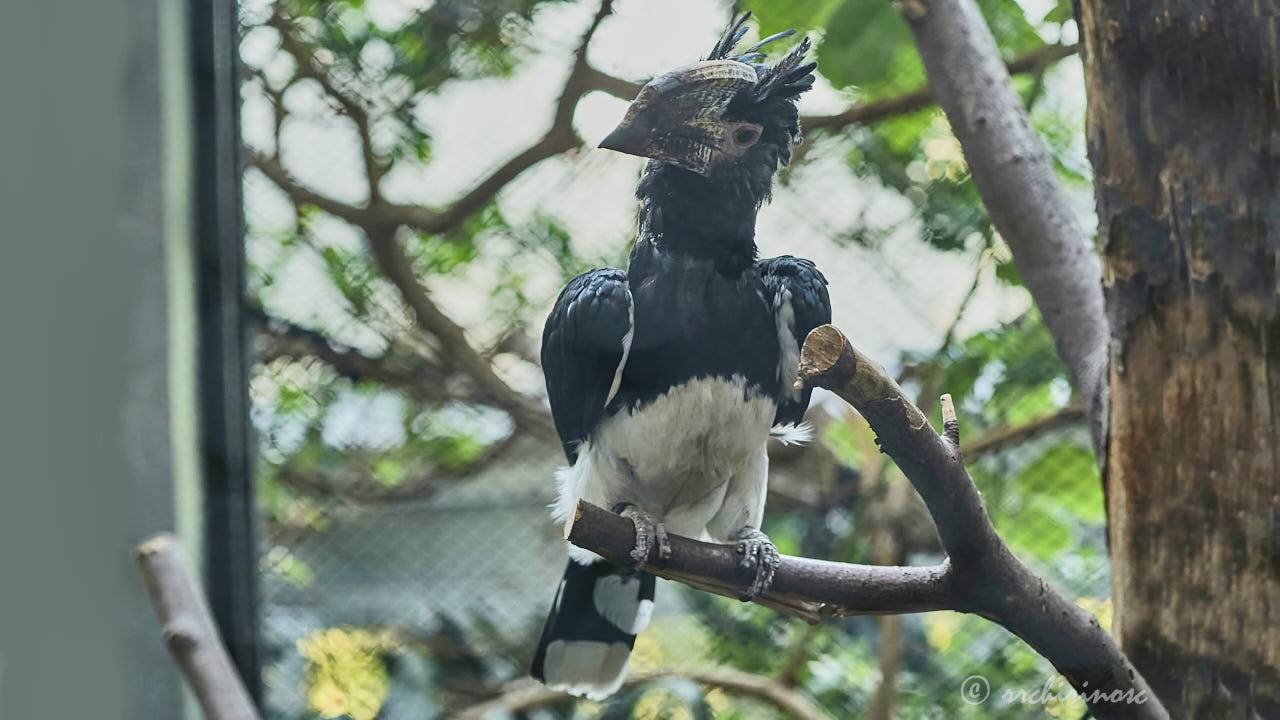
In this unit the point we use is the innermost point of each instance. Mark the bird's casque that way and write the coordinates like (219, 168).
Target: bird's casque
(715, 110)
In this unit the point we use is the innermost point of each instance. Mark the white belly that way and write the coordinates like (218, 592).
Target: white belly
(675, 457)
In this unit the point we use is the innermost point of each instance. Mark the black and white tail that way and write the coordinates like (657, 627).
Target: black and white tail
(598, 611)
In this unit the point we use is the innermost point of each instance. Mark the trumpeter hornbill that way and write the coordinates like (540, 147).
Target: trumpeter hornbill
(665, 380)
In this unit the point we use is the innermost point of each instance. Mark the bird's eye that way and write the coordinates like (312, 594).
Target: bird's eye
(745, 135)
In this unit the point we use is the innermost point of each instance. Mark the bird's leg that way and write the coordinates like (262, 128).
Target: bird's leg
(759, 554)
(648, 531)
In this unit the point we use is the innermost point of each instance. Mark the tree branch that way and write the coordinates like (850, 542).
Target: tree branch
(436, 221)
(309, 67)
(919, 99)
(979, 576)
(523, 696)
(189, 631)
(396, 266)
(379, 219)
(1017, 182)
(604, 82)
(354, 481)
(278, 338)
(998, 438)
(863, 113)
(813, 590)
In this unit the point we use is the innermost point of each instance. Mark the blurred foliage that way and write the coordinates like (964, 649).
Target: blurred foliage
(319, 425)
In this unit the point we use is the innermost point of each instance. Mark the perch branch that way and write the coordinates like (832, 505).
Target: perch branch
(1017, 182)
(813, 590)
(980, 574)
(189, 631)
(523, 696)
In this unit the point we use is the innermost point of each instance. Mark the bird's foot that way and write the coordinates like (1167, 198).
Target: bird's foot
(649, 531)
(760, 555)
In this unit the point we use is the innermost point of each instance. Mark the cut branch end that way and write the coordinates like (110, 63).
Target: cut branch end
(950, 423)
(826, 359)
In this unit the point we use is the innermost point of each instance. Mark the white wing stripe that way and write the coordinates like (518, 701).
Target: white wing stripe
(626, 348)
(788, 349)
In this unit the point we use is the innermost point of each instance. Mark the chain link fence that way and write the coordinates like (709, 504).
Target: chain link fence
(406, 463)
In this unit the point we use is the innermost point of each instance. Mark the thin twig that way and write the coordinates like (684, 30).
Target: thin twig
(950, 423)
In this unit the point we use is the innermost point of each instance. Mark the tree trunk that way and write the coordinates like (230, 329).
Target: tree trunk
(1184, 99)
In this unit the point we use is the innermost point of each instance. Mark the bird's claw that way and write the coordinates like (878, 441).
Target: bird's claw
(649, 531)
(760, 556)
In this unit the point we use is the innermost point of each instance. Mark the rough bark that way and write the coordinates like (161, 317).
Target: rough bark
(1184, 100)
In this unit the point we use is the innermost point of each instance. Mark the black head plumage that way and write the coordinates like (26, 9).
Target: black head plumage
(777, 86)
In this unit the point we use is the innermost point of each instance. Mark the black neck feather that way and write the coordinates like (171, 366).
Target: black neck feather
(712, 218)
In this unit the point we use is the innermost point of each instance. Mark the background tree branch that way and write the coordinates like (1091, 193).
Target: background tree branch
(1017, 182)
(860, 113)
(921, 98)
(980, 575)
(526, 695)
(189, 631)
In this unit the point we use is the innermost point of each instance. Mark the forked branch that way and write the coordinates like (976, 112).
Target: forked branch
(980, 576)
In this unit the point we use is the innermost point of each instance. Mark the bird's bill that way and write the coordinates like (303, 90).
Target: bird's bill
(625, 139)
(678, 117)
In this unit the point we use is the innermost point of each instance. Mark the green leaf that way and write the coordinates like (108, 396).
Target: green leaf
(1008, 23)
(1060, 13)
(1007, 272)
(868, 44)
(388, 472)
(801, 15)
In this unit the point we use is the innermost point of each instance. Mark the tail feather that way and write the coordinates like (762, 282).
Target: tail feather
(598, 611)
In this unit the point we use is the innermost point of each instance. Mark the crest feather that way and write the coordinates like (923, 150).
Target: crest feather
(786, 80)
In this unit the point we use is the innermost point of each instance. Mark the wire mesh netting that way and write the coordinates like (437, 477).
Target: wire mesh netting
(416, 197)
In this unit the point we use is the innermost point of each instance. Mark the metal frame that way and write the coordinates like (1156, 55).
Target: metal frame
(227, 452)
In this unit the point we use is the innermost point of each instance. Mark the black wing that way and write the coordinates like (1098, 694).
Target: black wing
(584, 345)
(798, 292)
